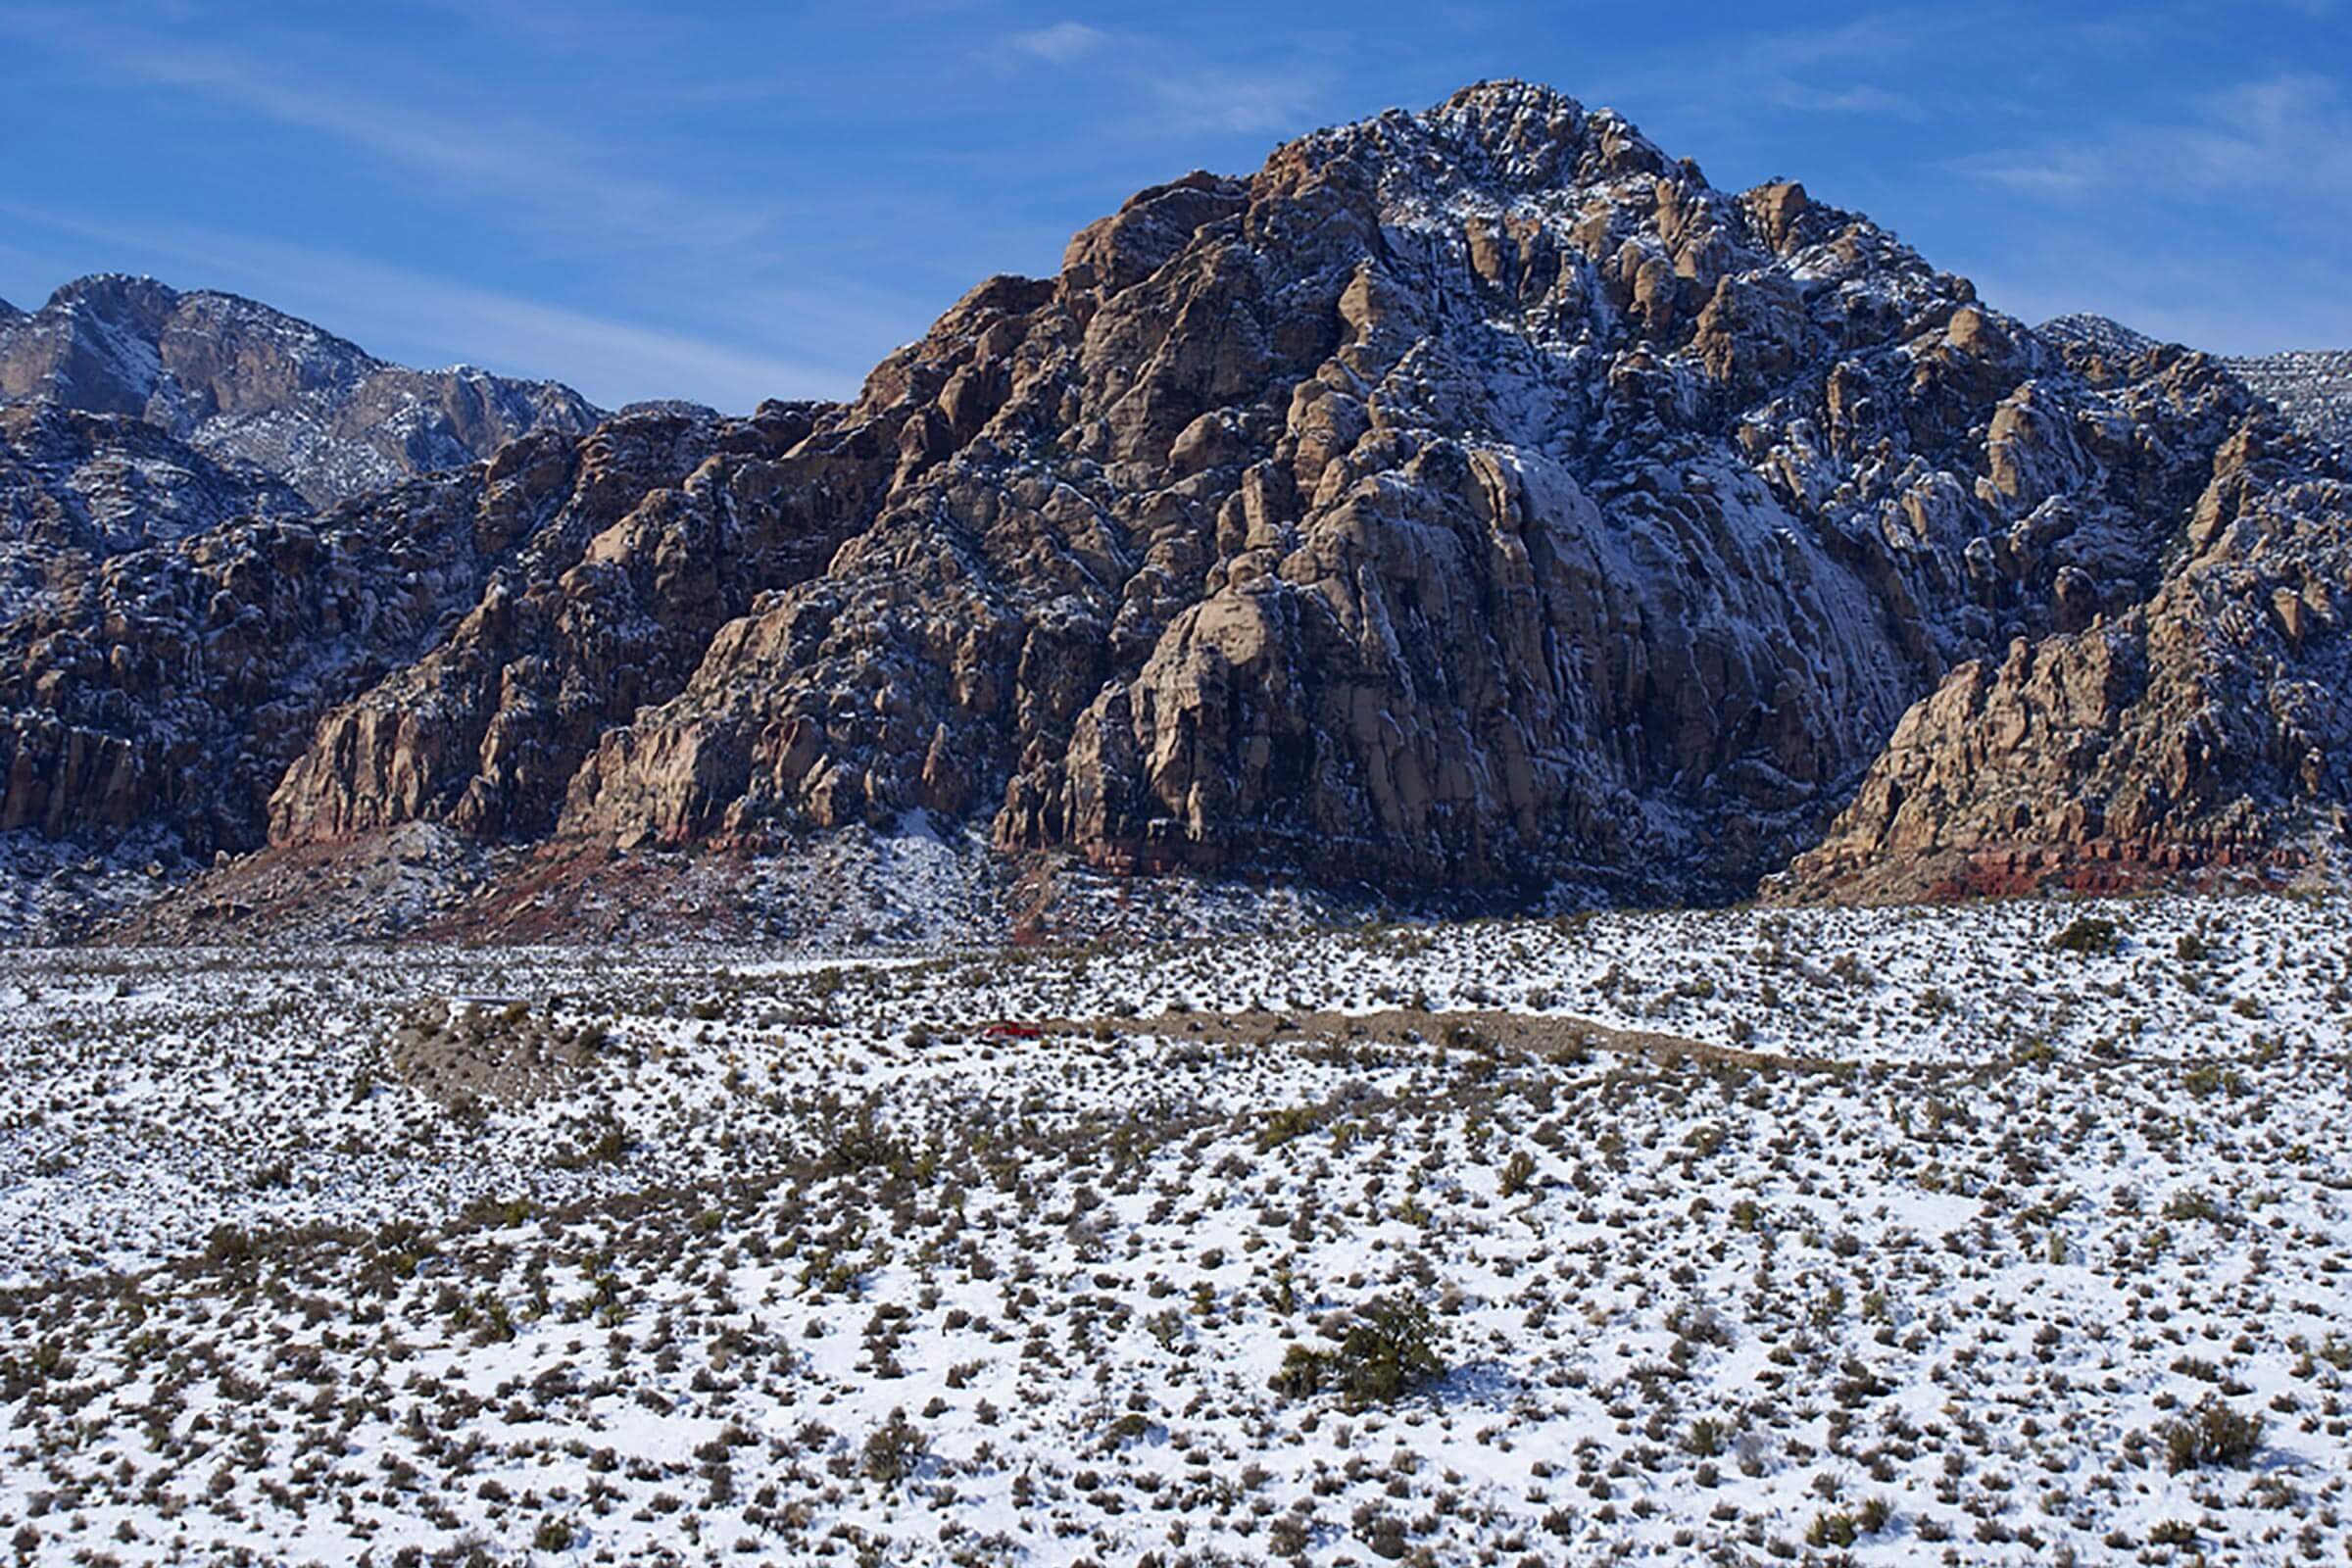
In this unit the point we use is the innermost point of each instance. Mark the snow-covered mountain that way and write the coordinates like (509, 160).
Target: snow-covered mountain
(2312, 387)
(251, 387)
(2101, 335)
(1475, 500)
(75, 488)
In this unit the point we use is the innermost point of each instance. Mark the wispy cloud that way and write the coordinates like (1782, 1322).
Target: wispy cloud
(431, 320)
(2234, 300)
(483, 147)
(1239, 102)
(2290, 134)
(1063, 43)
(1859, 99)
(2051, 177)
(1810, 69)
(1182, 91)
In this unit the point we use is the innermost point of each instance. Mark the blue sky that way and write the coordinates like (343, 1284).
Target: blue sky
(731, 201)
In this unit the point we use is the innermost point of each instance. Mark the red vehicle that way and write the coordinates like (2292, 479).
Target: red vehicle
(1007, 1030)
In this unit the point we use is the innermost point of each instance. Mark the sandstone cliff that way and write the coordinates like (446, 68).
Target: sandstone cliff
(1472, 498)
(1476, 499)
(2202, 731)
(171, 685)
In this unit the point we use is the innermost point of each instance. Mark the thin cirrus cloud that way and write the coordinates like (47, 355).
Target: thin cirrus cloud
(1181, 93)
(1062, 43)
(2287, 132)
(2221, 228)
(1226, 102)
(431, 320)
(510, 156)
(1860, 99)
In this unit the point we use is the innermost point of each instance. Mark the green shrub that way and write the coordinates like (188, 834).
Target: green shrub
(894, 1451)
(2209, 1080)
(1282, 1126)
(2212, 1434)
(2088, 936)
(1392, 1349)
(2191, 1205)
(1833, 1530)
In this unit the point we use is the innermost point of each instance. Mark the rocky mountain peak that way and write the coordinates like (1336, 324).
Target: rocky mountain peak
(247, 385)
(1500, 137)
(2099, 333)
(1473, 499)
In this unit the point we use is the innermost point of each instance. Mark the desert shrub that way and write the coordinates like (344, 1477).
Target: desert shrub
(894, 1451)
(228, 1246)
(1466, 1036)
(2088, 936)
(2191, 1205)
(2208, 1080)
(2211, 1434)
(1833, 1530)
(1392, 1347)
(861, 1143)
(1282, 1126)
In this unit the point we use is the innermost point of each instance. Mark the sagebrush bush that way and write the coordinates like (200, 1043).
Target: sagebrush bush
(894, 1451)
(1393, 1348)
(2212, 1433)
(2087, 935)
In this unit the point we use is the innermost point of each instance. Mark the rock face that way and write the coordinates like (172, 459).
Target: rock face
(247, 387)
(606, 609)
(1474, 499)
(171, 685)
(77, 487)
(2204, 730)
(2311, 387)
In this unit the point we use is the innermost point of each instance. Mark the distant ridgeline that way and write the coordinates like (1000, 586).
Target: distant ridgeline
(2311, 386)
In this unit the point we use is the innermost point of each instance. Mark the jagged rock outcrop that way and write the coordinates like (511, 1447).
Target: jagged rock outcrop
(1474, 499)
(250, 387)
(2311, 387)
(1471, 498)
(172, 685)
(2204, 730)
(76, 487)
(604, 615)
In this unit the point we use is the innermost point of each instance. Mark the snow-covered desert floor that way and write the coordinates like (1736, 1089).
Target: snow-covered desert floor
(2014, 1232)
